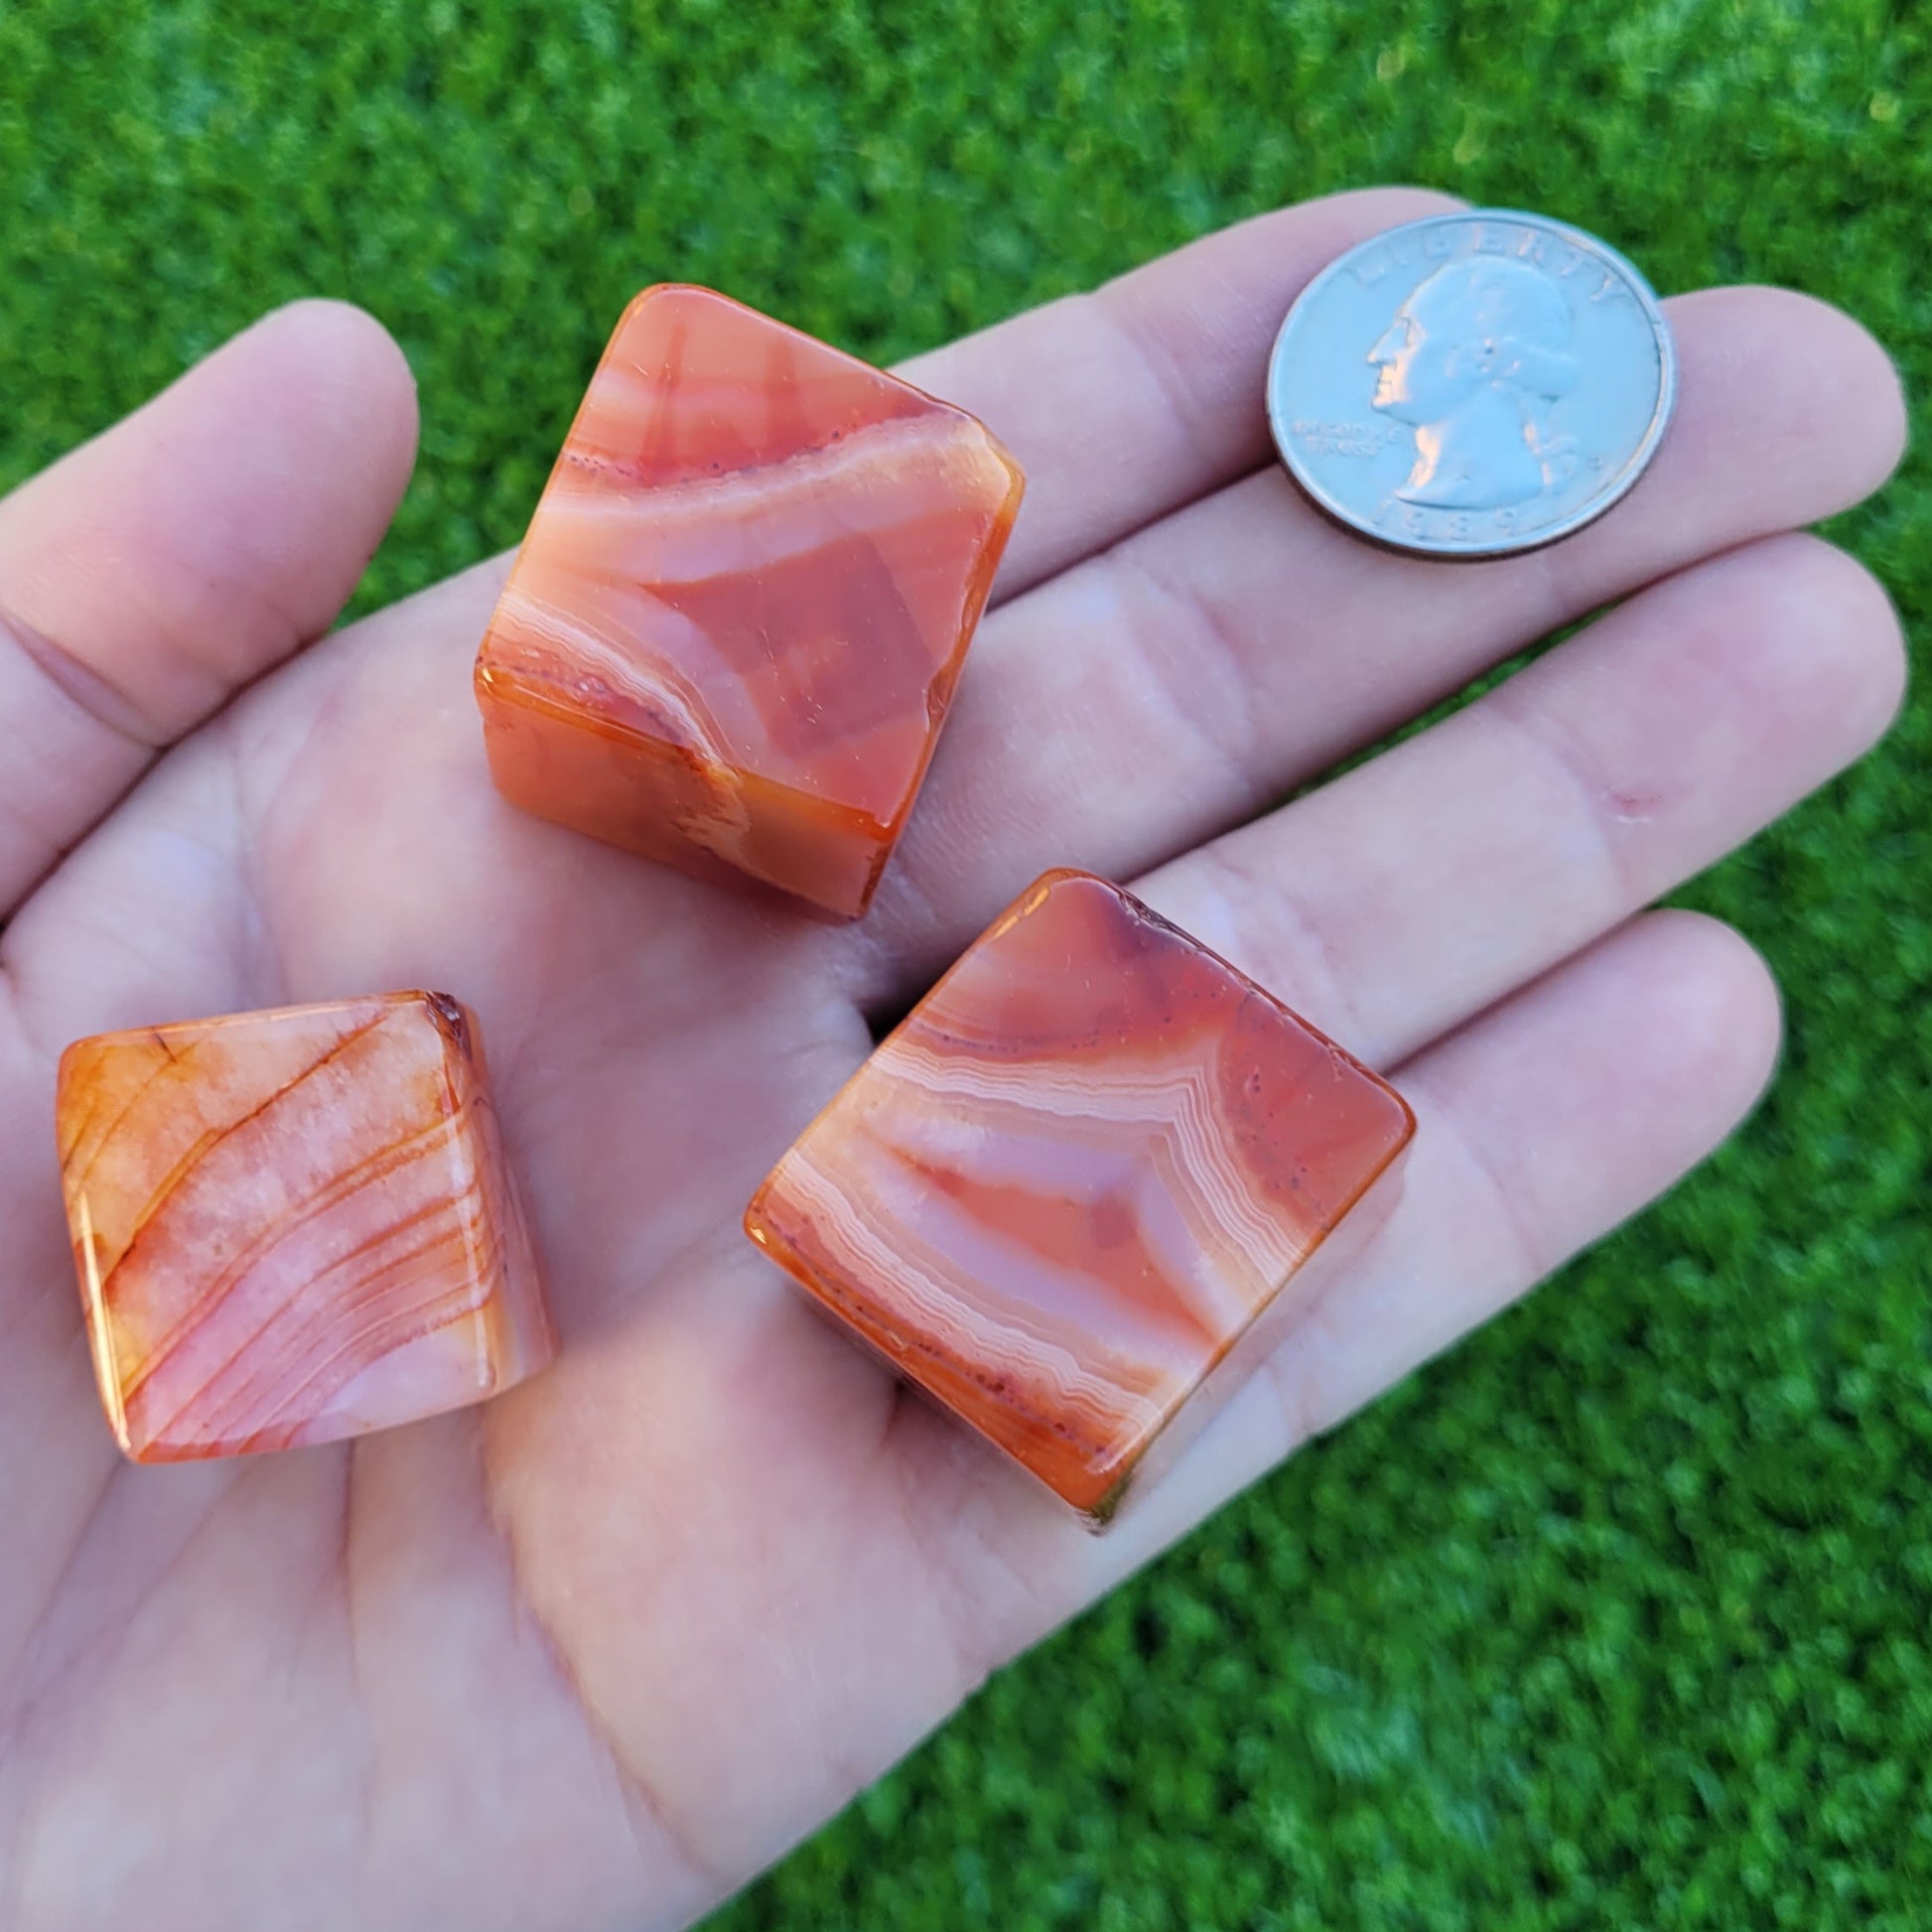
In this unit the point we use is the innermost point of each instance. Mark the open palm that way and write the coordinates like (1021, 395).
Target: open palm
(593, 1654)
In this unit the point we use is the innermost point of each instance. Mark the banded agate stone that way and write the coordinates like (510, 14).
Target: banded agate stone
(294, 1226)
(1085, 1185)
(734, 628)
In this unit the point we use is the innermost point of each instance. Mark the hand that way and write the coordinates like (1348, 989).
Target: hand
(593, 1654)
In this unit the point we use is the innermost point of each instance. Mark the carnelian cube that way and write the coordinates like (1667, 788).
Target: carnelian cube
(1085, 1185)
(294, 1226)
(732, 632)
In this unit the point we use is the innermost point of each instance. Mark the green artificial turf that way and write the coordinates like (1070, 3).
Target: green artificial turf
(1616, 1617)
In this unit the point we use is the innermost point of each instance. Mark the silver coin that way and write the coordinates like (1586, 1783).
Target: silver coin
(1471, 385)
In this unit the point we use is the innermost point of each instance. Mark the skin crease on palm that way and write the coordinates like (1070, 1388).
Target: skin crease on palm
(593, 1655)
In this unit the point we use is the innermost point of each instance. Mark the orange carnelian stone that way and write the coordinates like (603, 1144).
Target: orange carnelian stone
(1078, 1176)
(734, 626)
(294, 1226)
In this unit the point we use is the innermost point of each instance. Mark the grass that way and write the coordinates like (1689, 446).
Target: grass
(1619, 1615)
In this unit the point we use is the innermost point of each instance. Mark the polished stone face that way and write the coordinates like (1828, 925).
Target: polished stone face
(294, 1226)
(1076, 1176)
(736, 623)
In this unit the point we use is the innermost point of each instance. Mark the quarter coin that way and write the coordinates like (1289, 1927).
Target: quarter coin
(1471, 385)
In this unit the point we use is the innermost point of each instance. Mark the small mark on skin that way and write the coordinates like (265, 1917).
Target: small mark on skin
(1634, 807)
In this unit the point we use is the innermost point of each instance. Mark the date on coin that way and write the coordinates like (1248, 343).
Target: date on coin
(1471, 385)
